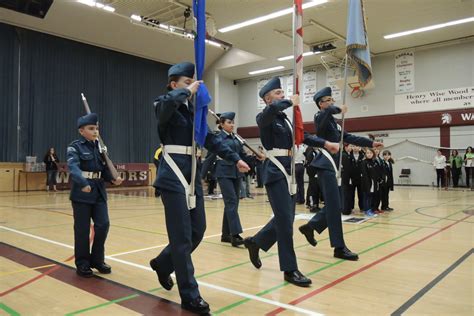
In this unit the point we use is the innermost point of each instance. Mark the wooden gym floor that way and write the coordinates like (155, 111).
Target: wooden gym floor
(415, 260)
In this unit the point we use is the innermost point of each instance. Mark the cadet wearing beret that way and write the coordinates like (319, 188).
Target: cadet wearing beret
(89, 197)
(326, 165)
(276, 134)
(174, 112)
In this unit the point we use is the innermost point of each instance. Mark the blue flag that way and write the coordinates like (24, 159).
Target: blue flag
(202, 96)
(357, 45)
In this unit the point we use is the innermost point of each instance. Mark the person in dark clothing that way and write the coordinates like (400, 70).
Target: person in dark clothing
(313, 194)
(346, 186)
(51, 160)
(370, 181)
(356, 177)
(387, 183)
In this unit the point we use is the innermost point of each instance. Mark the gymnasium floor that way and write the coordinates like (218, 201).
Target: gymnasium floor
(415, 260)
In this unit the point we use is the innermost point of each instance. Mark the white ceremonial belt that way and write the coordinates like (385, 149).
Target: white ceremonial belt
(279, 152)
(182, 150)
(333, 163)
(278, 164)
(91, 174)
(178, 149)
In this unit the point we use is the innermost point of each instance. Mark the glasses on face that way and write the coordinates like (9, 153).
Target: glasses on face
(328, 100)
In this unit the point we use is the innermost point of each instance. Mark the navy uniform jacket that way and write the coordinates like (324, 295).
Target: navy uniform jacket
(83, 155)
(370, 176)
(388, 174)
(328, 129)
(175, 126)
(348, 163)
(228, 169)
(275, 132)
(356, 175)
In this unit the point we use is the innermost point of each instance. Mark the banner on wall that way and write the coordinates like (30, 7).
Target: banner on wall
(405, 72)
(332, 75)
(309, 86)
(436, 100)
(133, 174)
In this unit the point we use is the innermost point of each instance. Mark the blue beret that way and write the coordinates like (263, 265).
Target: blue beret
(228, 115)
(185, 69)
(324, 92)
(272, 84)
(89, 119)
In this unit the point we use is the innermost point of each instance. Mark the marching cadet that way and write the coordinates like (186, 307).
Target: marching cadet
(89, 197)
(276, 134)
(326, 164)
(185, 225)
(228, 177)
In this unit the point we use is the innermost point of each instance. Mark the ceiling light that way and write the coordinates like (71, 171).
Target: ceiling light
(109, 8)
(136, 17)
(269, 16)
(304, 55)
(429, 28)
(260, 71)
(90, 3)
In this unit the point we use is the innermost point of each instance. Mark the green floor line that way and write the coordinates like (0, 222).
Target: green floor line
(211, 272)
(231, 306)
(118, 300)
(9, 310)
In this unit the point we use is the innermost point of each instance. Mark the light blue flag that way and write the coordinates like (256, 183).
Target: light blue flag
(357, 44)
(202, 96)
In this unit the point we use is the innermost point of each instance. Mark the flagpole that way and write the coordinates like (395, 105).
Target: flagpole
(297, 77)
(341, 142)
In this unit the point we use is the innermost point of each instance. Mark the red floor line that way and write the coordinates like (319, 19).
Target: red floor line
(362, 269)
(43, 274)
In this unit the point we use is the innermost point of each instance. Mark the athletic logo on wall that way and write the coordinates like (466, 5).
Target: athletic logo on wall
(446, 118)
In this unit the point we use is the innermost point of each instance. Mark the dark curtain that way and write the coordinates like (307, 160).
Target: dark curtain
(120, 88)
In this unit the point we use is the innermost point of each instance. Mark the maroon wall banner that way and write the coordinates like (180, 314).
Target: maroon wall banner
(133, 174)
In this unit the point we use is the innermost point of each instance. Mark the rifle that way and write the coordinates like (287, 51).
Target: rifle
(241, 140)
(102, 147)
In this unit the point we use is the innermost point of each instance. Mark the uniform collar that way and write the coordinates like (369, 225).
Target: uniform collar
(228, 134)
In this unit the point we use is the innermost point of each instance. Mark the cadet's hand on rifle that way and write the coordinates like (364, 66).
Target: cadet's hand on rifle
(333, 148)
(343, 109)
(261, 157)
(193, 87)
(86, 189)
(242, 166)
(117, 181)
(295, 99)
(377, 145)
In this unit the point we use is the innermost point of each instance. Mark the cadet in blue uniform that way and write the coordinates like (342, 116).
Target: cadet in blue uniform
(185, 225)
(326, 165)
(228, 177)
(276, 134)
(89, 198)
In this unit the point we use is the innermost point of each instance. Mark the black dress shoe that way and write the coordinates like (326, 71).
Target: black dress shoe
(84, 271)
(297, 278)
(236, 240)
(198, 306)
(225, 238)
(165, 280)
(314, 209)
(308, 232)
(346, 254)
(388, 209)
(103, 267)
(253, 252)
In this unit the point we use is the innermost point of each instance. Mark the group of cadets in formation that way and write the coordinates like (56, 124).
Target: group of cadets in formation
(366, 173)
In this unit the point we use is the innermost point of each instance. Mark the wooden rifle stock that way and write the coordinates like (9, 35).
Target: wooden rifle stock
(108, 161)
